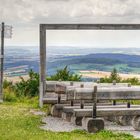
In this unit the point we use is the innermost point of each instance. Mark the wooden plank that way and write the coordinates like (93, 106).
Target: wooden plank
(107, 112)
(121, 93)
(91, 26)
(71, 108)
(50, 86)
(63, 87)
(42, 83)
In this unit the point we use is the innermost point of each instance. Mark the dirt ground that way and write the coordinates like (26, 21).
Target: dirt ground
(16, 78)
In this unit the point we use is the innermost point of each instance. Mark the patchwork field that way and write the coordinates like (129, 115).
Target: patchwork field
(103, 74)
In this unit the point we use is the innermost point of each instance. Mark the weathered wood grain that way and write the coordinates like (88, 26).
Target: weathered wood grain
(91, 26)
(121, 93)
(107, 112)
(71, 108)
(55, 86)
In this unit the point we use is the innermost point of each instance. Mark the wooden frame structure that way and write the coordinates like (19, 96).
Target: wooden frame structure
(44, 27)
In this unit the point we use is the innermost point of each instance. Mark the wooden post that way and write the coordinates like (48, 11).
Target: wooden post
(94, 113)
(82, 102)
(114, 102)
(59, 99)
(71, 102)
(2, 60)
(114, 83)
(128, 104)
(42, 85)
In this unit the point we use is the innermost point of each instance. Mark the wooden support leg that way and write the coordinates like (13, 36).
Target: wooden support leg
(66, 116)
(93, 125)
(76, 120)
(136, 123)
(124, 120)
(56, 112)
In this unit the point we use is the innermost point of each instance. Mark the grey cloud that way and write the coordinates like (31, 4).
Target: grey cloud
(28, 11)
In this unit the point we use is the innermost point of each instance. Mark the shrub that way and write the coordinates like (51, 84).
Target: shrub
(7, 84)
(115, 76)
(9, 96)
(28, 87)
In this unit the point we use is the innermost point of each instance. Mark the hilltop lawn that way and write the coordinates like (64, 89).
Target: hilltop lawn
(18, 123)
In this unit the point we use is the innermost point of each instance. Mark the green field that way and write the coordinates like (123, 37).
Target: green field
(122, 68)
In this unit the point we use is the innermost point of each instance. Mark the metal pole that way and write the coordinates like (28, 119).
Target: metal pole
(2, 60)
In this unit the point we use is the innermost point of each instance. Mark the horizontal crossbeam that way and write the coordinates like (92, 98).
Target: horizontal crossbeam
(90, 26)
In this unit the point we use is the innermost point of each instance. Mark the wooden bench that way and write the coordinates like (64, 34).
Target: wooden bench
(60, 88)
(122, 93)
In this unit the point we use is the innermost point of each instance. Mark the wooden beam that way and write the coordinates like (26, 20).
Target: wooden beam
(121, 93)
(63, 87)
(44, 27)
(68, 109)
(42, 83)
(107, 112)
(91, 26)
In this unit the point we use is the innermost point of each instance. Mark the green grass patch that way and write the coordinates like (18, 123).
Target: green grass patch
(17, 123)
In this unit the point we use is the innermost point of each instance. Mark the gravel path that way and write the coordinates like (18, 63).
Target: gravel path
(124, 129)
(59, 125)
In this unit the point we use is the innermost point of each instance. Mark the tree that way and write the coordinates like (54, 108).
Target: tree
(65, 75)
(115, 76)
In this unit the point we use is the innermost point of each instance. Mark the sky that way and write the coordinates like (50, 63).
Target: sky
(26, 15)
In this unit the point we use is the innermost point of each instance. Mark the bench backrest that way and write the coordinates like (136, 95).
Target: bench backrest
(62, 87)
(103, 93)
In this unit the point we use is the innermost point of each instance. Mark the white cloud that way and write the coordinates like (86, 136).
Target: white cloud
(32, 10)
(25, 15)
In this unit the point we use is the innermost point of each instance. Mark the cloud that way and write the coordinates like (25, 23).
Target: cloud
(29, 11)
(25, 15)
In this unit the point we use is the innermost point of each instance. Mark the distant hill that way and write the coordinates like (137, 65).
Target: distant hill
(100, 61)
(100, 58)
(104, 59)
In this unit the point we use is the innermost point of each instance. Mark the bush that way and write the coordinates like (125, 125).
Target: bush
(7, 84)
(9, 96)
(28, 87)
(115, 76)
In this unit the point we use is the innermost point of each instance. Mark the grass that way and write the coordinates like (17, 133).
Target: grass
(17, 123)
